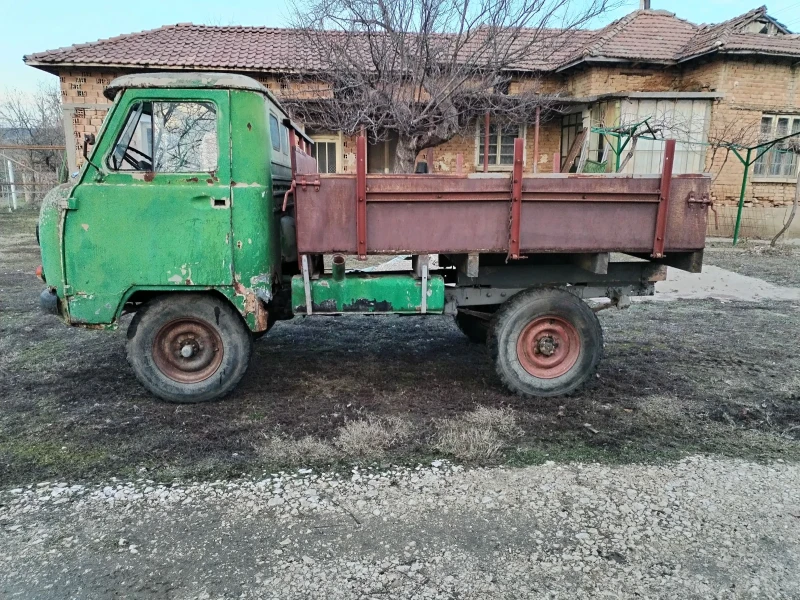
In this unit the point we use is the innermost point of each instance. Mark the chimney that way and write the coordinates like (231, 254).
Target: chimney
(644, 4)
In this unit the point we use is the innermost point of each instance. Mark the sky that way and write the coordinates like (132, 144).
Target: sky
(57, 23)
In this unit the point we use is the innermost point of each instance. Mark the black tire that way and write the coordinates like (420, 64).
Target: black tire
(539, 333)
(476, 330)
(209, 327)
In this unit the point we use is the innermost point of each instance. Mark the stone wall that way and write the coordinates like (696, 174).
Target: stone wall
(596, 80)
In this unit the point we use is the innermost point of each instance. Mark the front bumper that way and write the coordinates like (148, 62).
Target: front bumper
(48, 301)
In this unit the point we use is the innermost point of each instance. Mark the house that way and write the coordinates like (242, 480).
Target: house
(735, 81)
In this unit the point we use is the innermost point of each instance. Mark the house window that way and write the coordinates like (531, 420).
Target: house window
(501, 143)
(779, 162)
(380, 155)
(326, 153)
(685, 121)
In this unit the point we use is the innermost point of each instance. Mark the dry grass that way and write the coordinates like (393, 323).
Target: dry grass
(664, 407)
(478, 435)
(280, 448)
(371, 437)
(791, 387)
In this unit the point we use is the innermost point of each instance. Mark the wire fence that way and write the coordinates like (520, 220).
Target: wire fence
(759, 222)
(31, 189)
(24, 179)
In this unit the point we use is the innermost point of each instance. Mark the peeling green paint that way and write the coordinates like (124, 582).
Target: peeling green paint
(112, 233)
(367, 293)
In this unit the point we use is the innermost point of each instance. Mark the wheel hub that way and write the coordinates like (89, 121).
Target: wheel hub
(188, 350)
(548, 347)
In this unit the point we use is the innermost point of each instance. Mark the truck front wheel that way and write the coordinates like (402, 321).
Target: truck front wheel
(545, 342)
(188, 347)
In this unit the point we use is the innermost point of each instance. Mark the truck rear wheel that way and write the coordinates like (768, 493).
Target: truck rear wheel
(188, 347)
(545, 342)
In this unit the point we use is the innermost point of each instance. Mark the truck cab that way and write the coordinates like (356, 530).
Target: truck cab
(178, 195)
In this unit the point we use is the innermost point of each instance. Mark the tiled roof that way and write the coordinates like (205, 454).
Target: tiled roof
(651, 35)
(187, 46)
(642, 36)
(784, 44)
(729, 35)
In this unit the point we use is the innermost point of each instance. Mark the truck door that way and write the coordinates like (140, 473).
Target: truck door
(158, 215)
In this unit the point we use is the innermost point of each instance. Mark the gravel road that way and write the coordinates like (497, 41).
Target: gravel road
(689, 529)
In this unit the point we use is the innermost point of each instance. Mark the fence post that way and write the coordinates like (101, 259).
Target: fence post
(741, 198)
(11, 185)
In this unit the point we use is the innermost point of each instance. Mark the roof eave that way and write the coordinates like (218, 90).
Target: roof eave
(51, 67)
(609, 59)
(762, 53)
(684, 59)
(738, 53)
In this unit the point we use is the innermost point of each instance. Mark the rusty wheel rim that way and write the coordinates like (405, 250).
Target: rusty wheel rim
(188, 350)
(548, 347)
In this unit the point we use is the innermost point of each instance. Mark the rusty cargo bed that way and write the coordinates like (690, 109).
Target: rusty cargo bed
(514, 213)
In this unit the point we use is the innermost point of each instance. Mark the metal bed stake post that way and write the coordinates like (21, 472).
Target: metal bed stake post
(361, 194)
(516, 200)
(663, 203)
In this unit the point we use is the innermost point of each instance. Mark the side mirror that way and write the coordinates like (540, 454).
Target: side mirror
(88, 138)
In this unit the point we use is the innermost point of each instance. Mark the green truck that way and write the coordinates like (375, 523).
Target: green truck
(200, 208)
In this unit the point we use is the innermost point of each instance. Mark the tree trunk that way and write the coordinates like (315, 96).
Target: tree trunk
(406, 156)
(791, 214)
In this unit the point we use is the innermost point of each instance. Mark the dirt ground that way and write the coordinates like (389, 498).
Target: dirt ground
(677, 378)
(778, 265)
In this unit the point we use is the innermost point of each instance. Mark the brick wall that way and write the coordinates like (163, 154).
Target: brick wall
(750, 88)
(84, 108)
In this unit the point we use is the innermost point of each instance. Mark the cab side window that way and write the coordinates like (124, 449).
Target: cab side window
(134, 148)
(284, 139)
(275, 133)
(168, 137)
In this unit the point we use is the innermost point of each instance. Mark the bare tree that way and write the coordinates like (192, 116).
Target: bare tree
(423, 70)
(34, 119)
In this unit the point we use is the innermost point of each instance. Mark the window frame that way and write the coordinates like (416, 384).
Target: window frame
(137, 106)
(274, 136)
(284, 139)
(578, 126)
(767, 177)
(691, 145)
(330, 139)
(497, 166)
(129, 110)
